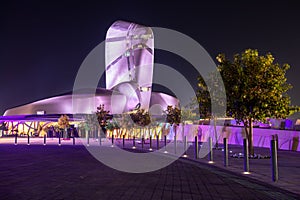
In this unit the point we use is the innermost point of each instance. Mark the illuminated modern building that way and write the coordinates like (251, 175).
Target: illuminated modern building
(129, 70)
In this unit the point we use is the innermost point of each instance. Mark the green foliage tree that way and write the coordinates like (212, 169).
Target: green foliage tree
(208, 96)
(190, 112)
(173, 115)
(256, 89)
(102, 115)
(140, 117)
(63, 123)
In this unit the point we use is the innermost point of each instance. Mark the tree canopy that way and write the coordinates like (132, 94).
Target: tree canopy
(173, 115)
(63, 122)
(256, 86)
(256, 89)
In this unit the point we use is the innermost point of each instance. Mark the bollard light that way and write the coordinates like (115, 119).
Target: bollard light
(246, 173)
(196, 146)
(59, 142)
(246, 155)
(211, 154)
(133, 141)
(165, 144)
(88, 138)
(16, 139)
(28, 139)
(123, 140)
(45, 140)
(184, 147)
(274, 161)
(175, 144)
(225, 142)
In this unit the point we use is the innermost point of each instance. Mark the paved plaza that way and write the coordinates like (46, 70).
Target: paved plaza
(70, 172)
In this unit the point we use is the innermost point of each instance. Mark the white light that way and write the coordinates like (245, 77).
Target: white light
(133, 147)
(246, 173)
(40, 112)
(185, 156)
(210, 162)
(165, 152)
(145, 89)
(150, 149)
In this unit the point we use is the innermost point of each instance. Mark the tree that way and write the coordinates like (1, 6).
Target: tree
(173, 115)
(190, 112)
(256, 89)
(140, 117)
(63, 123)
(102, 115)
(211, 96)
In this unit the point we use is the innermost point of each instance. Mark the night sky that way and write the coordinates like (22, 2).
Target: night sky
(42, 45)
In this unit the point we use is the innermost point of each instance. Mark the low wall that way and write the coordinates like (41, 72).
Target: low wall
(287, 139)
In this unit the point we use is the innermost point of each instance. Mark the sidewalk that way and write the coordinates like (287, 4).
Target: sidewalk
(195, 178)
(260, 169)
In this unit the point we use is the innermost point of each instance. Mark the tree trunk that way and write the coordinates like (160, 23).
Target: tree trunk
(250, 138)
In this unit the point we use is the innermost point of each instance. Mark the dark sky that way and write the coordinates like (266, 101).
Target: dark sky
(42, 45)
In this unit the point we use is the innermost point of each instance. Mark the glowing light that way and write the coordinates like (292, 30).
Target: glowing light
(165, 152)
(150, 149)
(134, 147)
(246, 173)
(210, 162)
(185, 156)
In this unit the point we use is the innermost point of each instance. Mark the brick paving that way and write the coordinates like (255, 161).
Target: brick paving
(70, 172)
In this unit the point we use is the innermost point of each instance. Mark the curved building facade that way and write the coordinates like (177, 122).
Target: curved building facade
(129, 56)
